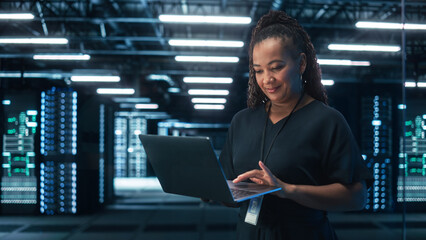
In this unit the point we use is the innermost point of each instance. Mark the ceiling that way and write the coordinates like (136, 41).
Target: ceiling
(125, 37)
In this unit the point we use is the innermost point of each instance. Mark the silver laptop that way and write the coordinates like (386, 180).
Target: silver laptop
(188, 166)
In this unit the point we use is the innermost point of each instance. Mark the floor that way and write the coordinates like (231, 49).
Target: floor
(163, 216)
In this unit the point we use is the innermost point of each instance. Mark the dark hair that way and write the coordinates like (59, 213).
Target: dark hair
(278, 24)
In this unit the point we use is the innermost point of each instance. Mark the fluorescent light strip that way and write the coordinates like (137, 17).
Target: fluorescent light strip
(10, 75)
(385, 25)
(95, 78)
(209, 106)
(343, 62)
(66, 57)
(223, 80)
(205, 43)
(16, 16)
(209, 100)
(410, 84)
(116, 91)
(146, 106)
(33, 40)
(207, 59)
(364, 48)
(203, 19)
(173, 90)
(421, 84)
(207, 92)
(327, 82)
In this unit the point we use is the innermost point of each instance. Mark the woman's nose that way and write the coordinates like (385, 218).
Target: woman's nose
(268, 79)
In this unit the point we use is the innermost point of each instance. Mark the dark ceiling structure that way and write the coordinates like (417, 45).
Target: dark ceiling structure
(126, 37)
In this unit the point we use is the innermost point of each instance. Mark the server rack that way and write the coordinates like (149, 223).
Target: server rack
(376, 146)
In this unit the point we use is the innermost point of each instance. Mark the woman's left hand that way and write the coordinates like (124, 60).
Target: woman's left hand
(264, 176)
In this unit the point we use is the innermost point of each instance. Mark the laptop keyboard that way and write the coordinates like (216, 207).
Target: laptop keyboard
(238, 193)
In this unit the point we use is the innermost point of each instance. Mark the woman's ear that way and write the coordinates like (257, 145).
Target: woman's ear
(302, 63)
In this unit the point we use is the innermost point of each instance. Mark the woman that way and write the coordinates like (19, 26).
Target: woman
(290, 138)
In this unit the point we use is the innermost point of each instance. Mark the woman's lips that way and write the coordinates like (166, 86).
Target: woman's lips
(272, 90)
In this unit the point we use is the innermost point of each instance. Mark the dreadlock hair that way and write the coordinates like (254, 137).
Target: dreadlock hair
(277, 24)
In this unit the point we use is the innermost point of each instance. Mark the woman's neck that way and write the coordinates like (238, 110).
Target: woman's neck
(280, 110)
(285, 107)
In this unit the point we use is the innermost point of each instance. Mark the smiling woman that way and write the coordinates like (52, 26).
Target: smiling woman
(277, 74)
(296, 141)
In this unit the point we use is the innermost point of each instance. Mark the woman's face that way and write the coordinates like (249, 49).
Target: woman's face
(277, 72)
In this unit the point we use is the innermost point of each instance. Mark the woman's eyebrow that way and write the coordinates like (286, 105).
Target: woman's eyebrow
(274, 61)
(271, 62)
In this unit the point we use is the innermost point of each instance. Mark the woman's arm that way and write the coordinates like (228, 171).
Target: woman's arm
(331, 197)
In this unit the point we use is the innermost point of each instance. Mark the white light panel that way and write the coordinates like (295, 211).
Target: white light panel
(208, 92)
(207, 59)
(95, 78)
(204, 19)
(364, 48)
(387, 25)
(66, 57)
(209, 100)
(205, 43)
(209, 106)
(33, 41)
(223, 80)
(116, 91)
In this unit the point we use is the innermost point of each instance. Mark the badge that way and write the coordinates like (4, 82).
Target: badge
(254, 210)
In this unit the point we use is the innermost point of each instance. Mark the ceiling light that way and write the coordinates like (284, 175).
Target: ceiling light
(16, 16)
(158, 77)
(146, 106)
(207, 80)
(131, 100)
(33, 40)
(208, 100)
(327, 82)
(71, 57)
(205, 43)
(402, 106)
(207, 59)
(48, 75)
(385, 25)
(10, 75)
(364, 48)
(161, 77)
(421, 84)
(116, 91)
(95, 78)
(207, 92)
(209, 106)
(204, 19)
(173, 90)
(410, 84)
(342, 62)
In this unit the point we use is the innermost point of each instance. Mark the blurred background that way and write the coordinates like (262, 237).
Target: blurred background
(81, 79)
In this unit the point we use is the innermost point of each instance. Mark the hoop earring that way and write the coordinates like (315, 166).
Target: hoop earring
(304, 82)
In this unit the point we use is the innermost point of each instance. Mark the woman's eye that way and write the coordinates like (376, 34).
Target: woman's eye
(277, 68)
(257, 71)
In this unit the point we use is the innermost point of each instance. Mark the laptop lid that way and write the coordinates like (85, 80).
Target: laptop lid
(187, 166)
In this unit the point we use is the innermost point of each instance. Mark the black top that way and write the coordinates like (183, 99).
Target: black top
(316, 147)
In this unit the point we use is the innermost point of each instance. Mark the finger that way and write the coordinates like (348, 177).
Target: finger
(247, 175)
(257, 181)
(265, 168)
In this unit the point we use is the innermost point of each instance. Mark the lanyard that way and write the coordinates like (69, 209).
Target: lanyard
(263, 159)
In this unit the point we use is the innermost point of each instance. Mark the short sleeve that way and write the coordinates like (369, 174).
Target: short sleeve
(343, 162)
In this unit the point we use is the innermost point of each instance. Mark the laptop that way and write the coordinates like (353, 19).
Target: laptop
(188, 166)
